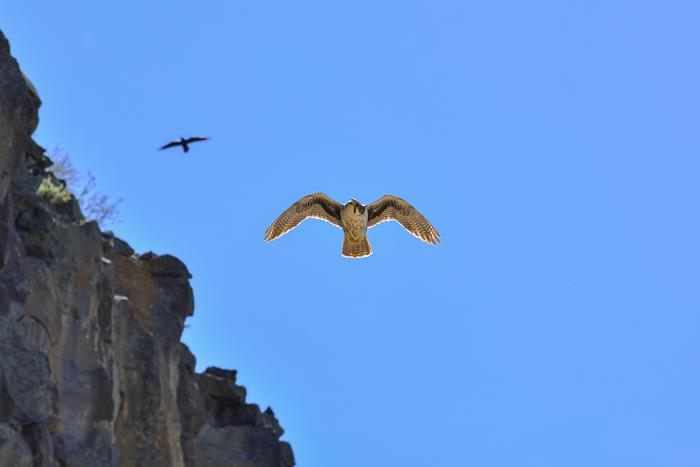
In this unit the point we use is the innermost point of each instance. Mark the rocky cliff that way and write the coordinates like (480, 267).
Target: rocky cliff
(92, 371)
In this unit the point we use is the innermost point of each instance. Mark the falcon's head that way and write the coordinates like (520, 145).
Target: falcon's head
(356, 205)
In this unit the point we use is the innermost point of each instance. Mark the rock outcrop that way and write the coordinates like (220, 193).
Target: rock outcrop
(92, 371)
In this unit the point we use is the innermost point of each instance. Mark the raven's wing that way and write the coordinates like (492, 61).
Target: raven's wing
(393, 208)
(317, 205)
(194, 139)
(171, 144)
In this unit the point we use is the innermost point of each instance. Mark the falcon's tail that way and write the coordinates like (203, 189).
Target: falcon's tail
(358, 249)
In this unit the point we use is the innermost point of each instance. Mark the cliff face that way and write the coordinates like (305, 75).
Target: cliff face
(92, 371)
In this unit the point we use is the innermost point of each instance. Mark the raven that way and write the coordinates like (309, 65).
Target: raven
(185, 143)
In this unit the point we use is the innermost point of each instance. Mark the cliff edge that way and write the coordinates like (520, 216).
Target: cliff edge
(92, 371)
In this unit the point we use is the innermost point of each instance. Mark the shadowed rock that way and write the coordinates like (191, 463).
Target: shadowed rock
(92, 371)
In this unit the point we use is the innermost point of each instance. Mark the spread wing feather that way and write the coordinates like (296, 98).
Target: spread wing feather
(195, 139)
(392, 208)
(317, 205)
(171, 144)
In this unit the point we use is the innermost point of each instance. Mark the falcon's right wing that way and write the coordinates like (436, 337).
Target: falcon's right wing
(393, 208)
(317, 205)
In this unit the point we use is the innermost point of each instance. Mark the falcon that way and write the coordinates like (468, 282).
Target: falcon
(184, 142)
(354, 218)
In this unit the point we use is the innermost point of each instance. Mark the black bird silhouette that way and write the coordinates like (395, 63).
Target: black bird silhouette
(185, 143)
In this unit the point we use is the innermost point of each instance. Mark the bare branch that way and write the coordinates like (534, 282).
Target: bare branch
(95, 205)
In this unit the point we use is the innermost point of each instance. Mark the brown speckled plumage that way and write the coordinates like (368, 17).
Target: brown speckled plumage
(354, 218)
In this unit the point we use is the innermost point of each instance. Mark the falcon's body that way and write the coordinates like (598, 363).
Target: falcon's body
(354, 218)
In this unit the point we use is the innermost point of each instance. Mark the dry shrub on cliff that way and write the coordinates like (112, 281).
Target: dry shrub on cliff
(96, 206)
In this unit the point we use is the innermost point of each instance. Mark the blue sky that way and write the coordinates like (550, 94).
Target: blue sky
(554, 145)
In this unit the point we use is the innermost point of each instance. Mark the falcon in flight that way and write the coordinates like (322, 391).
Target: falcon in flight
(184, 142)
(354, 218)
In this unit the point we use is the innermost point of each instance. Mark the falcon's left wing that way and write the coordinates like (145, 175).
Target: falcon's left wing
(317, 205)
(393, 208)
